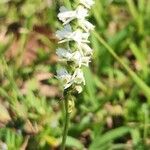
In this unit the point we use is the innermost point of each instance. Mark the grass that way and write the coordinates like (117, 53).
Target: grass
(113, 110)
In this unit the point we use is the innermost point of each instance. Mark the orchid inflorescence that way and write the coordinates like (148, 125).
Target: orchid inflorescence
(77, 52)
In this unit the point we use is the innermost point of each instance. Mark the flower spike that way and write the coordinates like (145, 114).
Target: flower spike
(80, 53)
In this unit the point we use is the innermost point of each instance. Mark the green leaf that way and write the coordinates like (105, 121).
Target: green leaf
(144, 87)
(72, 142)
(108, 137)
(90, 86)
(140, 57)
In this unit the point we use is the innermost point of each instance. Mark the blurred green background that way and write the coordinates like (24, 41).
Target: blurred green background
(112, 113)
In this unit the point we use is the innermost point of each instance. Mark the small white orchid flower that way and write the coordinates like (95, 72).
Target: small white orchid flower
(80, 60)
(68, 79)
(66, 35)
(67, 16)
(80, 37)
(63, 53)
(86, 25)
(78, 88)
(65, 78)
(78, 77)
(81, 13)
(85, 49)
(87, 3)
(3, 146)
(76, 57)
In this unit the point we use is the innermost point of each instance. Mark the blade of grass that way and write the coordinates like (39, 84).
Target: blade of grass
(140, 57)
(4, 94)
(98, 11)
(11, 79)
(132, 8)
(136, 15)
(103, 140)
(145, 88)
(90, 86)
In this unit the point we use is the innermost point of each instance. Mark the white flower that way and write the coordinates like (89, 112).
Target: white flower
(68, 79)
(79, 59)
(66, 35)
(78, 88)
(81, 55)
(85, 25)
(81, 13)
(65, 78)
(63, 53)
(78, 77)
(66, 15)
(85, 49)
(3, 146)
(76, 57)
(87, 3)
(80, 37)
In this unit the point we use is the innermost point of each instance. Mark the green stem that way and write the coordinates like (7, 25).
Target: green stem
(23, 41)
(145, 88)
(66, 124)
(67, 3)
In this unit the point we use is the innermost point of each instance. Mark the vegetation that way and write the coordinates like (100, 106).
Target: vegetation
(112, 112)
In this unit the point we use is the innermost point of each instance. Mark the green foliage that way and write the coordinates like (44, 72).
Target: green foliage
(102, 141)
(11, 138)
(113, 111)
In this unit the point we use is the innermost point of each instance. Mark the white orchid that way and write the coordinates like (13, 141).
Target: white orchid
(79, 59)
(68, 79)
(78, 88)
(87, 3)
(80, 14)
(76, 57)
(81, 55)
(85, 49)
(80, 37)
(67, 16)
(66, 35)
(78, 77)
(86, 25)
(63, 53)
(65, 77)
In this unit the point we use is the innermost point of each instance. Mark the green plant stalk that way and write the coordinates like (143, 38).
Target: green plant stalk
(23, 41)
(146, 121)
(4, 93)
(67, 3)
(66, 124)
(137, 15)
(11, 79)
(145, 88)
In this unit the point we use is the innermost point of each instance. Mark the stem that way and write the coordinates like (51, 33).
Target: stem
(144, 87)
(67, 3)
(65, 125)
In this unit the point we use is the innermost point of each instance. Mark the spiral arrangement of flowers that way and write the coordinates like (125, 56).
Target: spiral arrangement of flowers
(75, 50)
